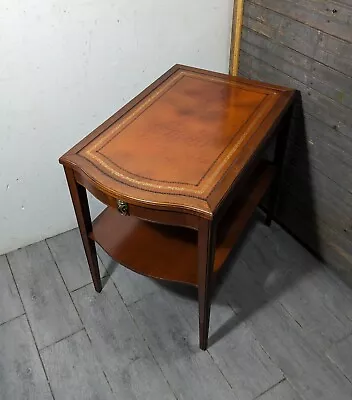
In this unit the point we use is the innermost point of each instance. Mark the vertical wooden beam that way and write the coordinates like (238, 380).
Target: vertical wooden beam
(236, 36)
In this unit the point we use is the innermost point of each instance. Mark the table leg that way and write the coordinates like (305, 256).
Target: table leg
(81, 206)
(206, 250)
(279, 158)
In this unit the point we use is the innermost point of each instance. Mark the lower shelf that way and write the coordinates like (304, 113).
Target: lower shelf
(169, 252)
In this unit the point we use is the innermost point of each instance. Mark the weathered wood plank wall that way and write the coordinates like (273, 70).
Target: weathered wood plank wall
(307, 45)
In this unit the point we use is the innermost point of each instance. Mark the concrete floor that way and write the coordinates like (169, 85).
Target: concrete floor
(281, 328)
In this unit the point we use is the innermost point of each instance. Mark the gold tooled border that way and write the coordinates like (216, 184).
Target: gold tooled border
(90, 152)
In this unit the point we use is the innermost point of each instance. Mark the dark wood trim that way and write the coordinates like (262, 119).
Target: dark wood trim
(81, 207)
(279, 158)
(206, 247)
(177, 233)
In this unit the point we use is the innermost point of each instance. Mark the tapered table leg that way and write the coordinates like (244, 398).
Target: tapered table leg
(206, 250)
(279, 158)
(81, 206)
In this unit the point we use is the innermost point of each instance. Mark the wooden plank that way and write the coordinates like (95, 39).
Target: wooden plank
(233, 345)
(319, 144)
(47, 303)
(330, 112)
(73, 370)
(319, 203)
(331, 51)
(346, 2)
(301, 261)
(312, 73)
(325, 139)
(322, 148)
(311, 374)
(190, 371)
(333, 162)
(21, 372)
(317, 210)
(330, 202)
(343, 285)
(334, 247)
(282, 391)
(241, 358)
(119, 346)
(326, 193)
(131, 286)
(314, 300)
(68, 253)
(240, 289)
(10, 302)
(268, 260)
(341, 355)
(330, 17)
(337, 142)
(280, 49)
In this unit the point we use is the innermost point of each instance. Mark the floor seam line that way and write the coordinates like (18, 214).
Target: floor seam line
(147, 344)
(339, 341)
(338, 367)
(12, 319)
(99, 362)
(218, 367)
(60, 340)
(74, 305)
(81, 287)
(137, 327)
(270, 388)
(31, 331)
(57, 266)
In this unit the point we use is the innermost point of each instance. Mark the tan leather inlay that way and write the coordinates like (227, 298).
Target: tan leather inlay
(213, 172)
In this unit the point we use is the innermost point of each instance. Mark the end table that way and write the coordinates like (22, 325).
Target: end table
(181, 168)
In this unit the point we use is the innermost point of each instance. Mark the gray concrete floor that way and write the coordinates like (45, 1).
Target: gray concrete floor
(280, 328)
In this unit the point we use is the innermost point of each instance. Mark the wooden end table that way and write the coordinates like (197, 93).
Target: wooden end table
(181, 169)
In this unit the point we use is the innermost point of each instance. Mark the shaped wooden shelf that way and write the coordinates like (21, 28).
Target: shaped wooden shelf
(182, 162)
(170, 252)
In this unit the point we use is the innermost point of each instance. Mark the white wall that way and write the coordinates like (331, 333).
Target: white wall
(66, 66)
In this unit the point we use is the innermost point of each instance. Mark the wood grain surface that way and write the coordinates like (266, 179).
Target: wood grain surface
(188, 152)
(145, 343)
(182, 143)
(307, 45)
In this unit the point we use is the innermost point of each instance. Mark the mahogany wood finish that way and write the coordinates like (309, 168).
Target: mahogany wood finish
(169, 252)
(206, 255)
(180, 170)
(81, 206)
(279, 158)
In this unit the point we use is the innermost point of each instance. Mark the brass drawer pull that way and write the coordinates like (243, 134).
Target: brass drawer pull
(122, 207)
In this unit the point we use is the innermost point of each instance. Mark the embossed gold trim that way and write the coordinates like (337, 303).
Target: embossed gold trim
(90, 152)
